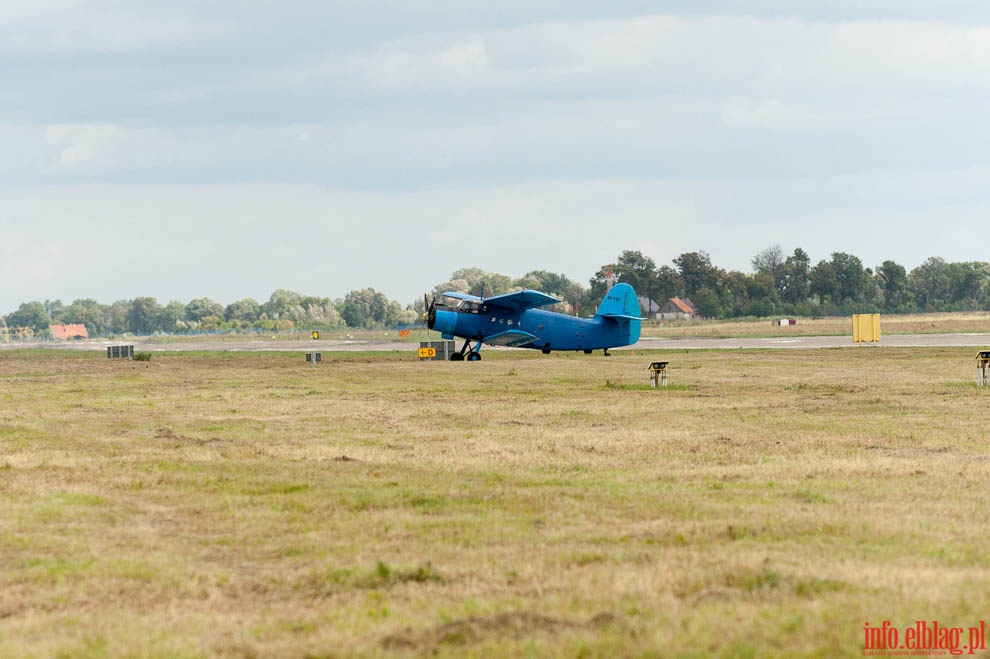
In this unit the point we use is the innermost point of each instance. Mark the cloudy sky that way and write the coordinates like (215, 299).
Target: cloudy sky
(181, 149)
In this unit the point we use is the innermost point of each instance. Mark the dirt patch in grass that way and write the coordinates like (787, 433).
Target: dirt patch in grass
(514, 625)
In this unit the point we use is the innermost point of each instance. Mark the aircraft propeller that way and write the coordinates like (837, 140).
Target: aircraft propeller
(430, 311)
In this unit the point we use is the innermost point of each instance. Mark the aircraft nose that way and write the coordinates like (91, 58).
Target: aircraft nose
(443, 321)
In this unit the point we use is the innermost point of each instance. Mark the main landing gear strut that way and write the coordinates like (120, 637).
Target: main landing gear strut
(467, 352)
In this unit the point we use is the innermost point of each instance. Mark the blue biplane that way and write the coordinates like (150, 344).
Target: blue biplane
(516, 320)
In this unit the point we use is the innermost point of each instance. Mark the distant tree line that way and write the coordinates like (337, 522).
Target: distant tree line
(790, 285)
(780, 285)
(284, 311)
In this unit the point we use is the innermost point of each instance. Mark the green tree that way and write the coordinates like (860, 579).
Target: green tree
(279, 302)
(638, 271)
(246, 310)
(631, 267)
(558, 285)
(771, 262)
(796, 285)
(454, 286)
(54, 309)
(893, 282)
(932, 284)
(119, 317)
(212, 324)
(824, 283)
(707, 303)
(145, 316)
(576, 297)
(667, 284)
(852, 279)
(762, 297)
(365, 308)
(396, 314)
(88, 312)
(173, 317)
(733, 294)
(315, 312)
(970, 284)
(202, 307)
(697, 273)
(473, 276)
(479, 281)
(30, 314)
(547, 282)
(599, 283)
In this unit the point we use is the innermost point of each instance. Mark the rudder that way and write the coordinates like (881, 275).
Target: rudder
(621, 307)
(620, 300)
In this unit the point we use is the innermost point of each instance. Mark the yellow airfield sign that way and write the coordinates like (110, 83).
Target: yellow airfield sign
(866, 328)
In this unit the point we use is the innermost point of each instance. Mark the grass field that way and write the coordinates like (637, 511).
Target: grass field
(769, 503)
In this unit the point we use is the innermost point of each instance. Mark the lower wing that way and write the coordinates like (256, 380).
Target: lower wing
(510, 338)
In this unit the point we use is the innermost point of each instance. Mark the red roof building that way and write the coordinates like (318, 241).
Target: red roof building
(66, 332)
(677, 309)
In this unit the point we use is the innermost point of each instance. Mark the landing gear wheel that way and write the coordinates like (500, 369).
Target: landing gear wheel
(474, 356)
(456, 357)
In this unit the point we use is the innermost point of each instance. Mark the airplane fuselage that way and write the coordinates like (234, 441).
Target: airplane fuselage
(553, 331)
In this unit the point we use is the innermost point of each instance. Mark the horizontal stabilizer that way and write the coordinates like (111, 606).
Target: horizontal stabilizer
(619, 316)
(510, 338)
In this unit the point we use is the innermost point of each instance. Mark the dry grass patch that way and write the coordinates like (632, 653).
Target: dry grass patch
(253, 505)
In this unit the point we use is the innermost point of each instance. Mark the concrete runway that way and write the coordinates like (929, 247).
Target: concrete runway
(220, 344)
(811, 342)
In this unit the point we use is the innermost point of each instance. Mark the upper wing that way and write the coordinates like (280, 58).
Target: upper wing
(510, 338)
(516, 301)
(460, 296)
(520, 300)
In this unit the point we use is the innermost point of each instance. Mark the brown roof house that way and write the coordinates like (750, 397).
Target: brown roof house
(66, 332)
(677, 309)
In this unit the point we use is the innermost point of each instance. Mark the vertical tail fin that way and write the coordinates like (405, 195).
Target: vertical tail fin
(620, 301)
(621, 308)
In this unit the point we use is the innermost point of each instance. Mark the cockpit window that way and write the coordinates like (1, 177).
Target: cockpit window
(472, 306)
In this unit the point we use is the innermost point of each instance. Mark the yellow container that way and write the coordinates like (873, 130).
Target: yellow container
(866, 328)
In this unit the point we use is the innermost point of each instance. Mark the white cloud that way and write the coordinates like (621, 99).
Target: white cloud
(16, 13)
(99, 26)
(412, 64)
(86, 146)
(905, 55)
(234, 241)
(773, 115)
(25, 259)
(524, 137)
(804, 73)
